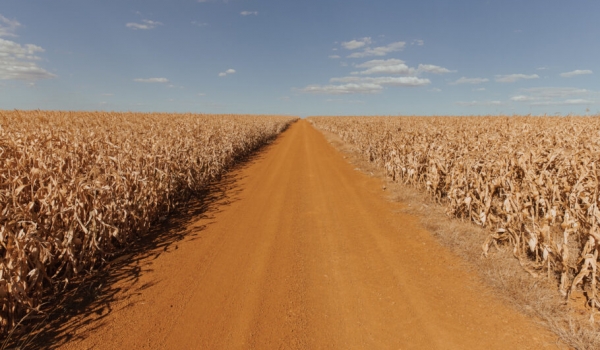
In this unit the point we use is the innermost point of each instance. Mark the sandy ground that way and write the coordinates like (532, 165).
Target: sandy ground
(302, 252)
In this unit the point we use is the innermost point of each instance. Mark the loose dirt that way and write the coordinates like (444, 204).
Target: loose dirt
(305, 252)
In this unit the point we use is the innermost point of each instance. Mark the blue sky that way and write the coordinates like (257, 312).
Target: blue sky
(326, 57)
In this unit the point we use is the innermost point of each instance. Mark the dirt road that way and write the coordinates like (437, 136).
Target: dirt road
(305, 253)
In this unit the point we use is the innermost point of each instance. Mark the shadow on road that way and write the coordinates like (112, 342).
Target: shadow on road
(88, 300)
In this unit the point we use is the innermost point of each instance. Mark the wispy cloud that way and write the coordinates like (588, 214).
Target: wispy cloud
(375, 75)
(151, 80)
(227, 72)
(389, 66)
(383, 81)
(380, 50)
(478, 103)
(521, 98)
(418, 42)
(18, 62)
(473, 81)
(575, 73)
(356, 44)
(567, 102)
(511, 78)
(199, 24)
(342, 100)
(8, 27)
(343, 89)
(145, 25)
(556, 92)
(363, 85)
(555, 96)
(430, 68)
(249, 13)
(396, 66)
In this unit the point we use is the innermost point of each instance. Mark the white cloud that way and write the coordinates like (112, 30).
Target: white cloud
(383, 81)
(521, 98)
(553, 96)
(8, 27)
(479, 103)
(199, 24)
(334, 56)
(356, 44)
(341, 100)
(430, 68)
(380, 63)
(249, 13)
(145, 25)
(363, 85)
(554, 92)
(418, 42)
(390, 66)
(343, 89)
(227, 72)
(479, 89)
(575, 73)
(380, 50)
(401, 81)
(151, 80)
(396, 66)
(511, 78)
(568, 102)
(474, 81)
(17, 62)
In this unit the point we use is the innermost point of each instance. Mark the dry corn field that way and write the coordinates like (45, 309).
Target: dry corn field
(294, 249)
(533, 181)
(76, 186)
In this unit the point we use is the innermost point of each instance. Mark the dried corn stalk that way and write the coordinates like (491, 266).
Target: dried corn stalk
(74, 186)
(533, 181)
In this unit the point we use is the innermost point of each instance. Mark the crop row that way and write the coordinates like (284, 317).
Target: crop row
(532, 181)
(76, 186)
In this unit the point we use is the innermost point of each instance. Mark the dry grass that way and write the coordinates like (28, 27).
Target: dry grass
(536, 297)
(76, 187)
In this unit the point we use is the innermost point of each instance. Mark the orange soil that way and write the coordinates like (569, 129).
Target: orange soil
(306, 253)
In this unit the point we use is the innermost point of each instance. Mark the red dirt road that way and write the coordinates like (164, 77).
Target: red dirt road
(307, 254)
